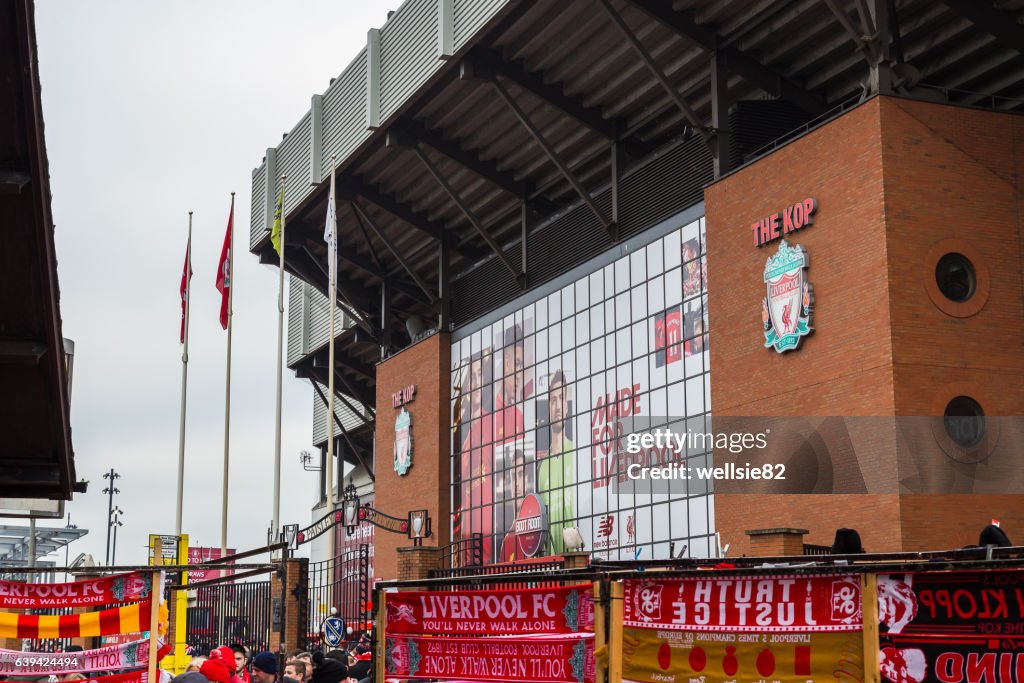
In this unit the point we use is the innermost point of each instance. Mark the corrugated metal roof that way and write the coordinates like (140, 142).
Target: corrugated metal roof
(581, 83)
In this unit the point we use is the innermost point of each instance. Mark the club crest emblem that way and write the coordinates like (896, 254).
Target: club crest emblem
(403, 442)
(788, 309)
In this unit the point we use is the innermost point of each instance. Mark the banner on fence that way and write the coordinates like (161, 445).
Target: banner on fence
(128, 619)
(108, 590)
(565, 609)
(656, 656)
(951, 626)
(763, 604)
(539, 660)
(125, 656)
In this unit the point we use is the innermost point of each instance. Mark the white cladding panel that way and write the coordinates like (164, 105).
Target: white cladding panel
(410, 48)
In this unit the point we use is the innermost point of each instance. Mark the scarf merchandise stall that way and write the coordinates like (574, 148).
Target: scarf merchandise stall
(899, 618)
(130, 603)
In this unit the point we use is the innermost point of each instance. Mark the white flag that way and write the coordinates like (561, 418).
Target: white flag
(331, 233)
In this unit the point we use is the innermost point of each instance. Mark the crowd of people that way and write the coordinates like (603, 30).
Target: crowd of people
(233, 664)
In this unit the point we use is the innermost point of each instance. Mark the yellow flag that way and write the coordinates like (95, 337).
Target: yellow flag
(275, 232)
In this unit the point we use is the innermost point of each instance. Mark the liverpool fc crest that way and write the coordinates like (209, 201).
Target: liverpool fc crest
(787, 310)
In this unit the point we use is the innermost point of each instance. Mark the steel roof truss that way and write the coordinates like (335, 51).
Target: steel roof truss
(468, 213)
(489, 63)
(609, 226)
(357, 451)
(741, 63)
(365, 218)
(688, 113)
(1002, 25)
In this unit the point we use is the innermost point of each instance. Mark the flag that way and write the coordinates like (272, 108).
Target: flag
(224, 272)
(331, 233)
(275, 232)
(186, 275)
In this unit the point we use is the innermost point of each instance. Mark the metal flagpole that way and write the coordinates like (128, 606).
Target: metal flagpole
(227, 407)
(332, 257)
(184, 382)
(276, 525)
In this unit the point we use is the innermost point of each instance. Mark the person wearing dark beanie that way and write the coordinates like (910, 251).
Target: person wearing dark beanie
(328, 669)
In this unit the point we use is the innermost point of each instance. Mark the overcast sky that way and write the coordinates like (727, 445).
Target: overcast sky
(153, 110)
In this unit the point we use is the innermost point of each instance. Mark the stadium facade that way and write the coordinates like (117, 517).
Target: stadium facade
(561, 221)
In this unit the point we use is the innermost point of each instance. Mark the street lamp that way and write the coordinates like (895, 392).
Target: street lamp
(350, 506)
(67, 548)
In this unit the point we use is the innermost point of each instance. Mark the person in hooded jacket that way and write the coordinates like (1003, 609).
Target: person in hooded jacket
(220, 667)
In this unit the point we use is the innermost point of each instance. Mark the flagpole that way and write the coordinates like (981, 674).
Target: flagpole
(227, 407)
(332, 257)
(184, 383)
(276, 525)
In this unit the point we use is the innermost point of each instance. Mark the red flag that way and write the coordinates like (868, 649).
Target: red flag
(224, 272)
(186, 275)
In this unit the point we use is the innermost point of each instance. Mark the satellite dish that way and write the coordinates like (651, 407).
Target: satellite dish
(415, 326)
(83, 560)
(907, 75)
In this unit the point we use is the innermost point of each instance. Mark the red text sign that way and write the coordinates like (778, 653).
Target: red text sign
(781, 223)
(492, 659)
(759, 603)
(403, 396)
(109, 590)
(567, 609)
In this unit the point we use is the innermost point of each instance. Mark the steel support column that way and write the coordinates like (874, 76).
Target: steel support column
(444, 283)
(720, 114)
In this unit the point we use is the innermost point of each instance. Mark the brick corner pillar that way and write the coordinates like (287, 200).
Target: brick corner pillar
(85, 643)
(414, 384)
(576, 560)
(776, 542)
(289, 601)
(414, 564)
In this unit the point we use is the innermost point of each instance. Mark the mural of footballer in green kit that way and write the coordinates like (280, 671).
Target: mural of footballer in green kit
(556, 472)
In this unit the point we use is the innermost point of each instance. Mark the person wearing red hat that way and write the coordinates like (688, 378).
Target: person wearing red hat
(220, 667)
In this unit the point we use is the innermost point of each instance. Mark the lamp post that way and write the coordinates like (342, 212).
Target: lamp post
(350, 508)
(110, 491)
(115, 522)
(67, 548)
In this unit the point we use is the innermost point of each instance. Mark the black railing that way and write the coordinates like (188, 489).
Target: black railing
(810, 549)
(342, 585)
(516, 575)
(466, 552)
(247, 614)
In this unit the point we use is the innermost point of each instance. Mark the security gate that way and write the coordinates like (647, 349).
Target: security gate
(247, 612)
(342, 584)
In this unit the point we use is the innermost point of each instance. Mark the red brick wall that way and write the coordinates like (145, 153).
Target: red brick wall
(844, 367)
(897, 183)
(426, 485)
(953, 182)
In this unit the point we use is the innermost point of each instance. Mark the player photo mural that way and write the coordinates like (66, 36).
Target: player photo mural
(542, 396)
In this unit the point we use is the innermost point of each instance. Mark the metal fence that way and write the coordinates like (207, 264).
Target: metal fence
(342, 585)
(466, 552)
(247, 615)
(506, 576)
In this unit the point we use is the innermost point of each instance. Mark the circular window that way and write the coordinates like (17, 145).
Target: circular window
(955, 276)
(964, 421)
